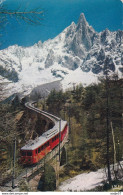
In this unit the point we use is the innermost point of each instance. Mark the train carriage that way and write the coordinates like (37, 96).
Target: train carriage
(35, 150)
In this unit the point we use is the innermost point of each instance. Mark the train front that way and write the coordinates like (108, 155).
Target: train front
(26, 157)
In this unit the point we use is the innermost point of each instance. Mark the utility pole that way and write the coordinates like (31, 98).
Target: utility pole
(118, 151)
(107, 126)
(69, 120)
(44, 166)
(59, 137)
(113, 143)
(122, 114)
(14, 159)
(64, 112)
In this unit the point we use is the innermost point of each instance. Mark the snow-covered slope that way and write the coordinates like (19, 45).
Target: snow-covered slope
(78, 54)
(89, 181)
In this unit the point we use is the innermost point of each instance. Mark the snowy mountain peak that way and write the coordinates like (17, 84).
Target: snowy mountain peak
(83, 38)
(82, 21)
(76, 54)
(83, 25)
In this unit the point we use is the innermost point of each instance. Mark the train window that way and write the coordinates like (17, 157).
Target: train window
(29, 153)
(39, 150)
(41, 147)
(48, 143)
(53, 139)
(23, 153)
(36, 151)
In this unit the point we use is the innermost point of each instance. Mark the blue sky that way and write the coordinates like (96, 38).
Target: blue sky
(58, 14)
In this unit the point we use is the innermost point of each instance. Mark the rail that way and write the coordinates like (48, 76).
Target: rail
(29, 174)
(46, 114)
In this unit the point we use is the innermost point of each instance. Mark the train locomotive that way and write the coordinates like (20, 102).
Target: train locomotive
(36, 149)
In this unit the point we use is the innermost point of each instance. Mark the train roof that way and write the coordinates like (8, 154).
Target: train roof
(33, 144)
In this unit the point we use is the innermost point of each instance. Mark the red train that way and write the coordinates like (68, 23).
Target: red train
(35, 150)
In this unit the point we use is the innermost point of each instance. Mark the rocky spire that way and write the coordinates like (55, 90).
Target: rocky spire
(84, 34)
(82, 23)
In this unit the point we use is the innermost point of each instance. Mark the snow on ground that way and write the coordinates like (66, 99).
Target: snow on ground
(77, 77)
(86, 181)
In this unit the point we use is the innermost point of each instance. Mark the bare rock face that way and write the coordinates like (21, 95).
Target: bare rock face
(50, 59)
(109, 64)
(101, 55)
(85, 33)
(83, 37)
(119, 37)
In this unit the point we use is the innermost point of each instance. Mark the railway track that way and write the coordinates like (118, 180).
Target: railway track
(36, 149)
(32, 169)
(52, 117)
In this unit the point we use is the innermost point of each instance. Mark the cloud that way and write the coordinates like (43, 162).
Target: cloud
(122, 1)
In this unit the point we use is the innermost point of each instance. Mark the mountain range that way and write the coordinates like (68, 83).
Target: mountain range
(79, 54)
